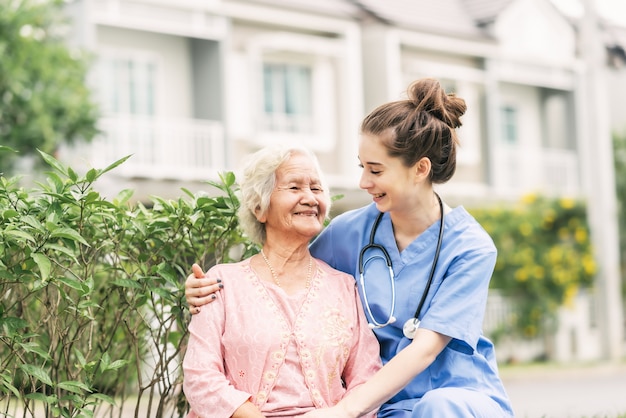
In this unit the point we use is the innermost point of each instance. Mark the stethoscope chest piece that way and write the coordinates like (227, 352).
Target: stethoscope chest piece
(410, 327)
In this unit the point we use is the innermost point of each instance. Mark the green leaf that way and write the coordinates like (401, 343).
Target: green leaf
(72, 174)
(166, 271)
(115, 164)
(36, 372)
(30, 220)
(187, 192)
(127, 283)
(164, 293)
(74, 386)
(41, 397)
(85, 413)
(7, 380)
(91, 175)
(73, 283)
(7, 149)
(61, 249)
(102, 397)
(52, 162)
(9, 213)
(13, 324)
(80, 357)
(43, 263)
(69, 233)
(117, 364)
(56, 181)
(20, 234)
(33, 347)
(124, 196)
(228, 178)
(105, 359)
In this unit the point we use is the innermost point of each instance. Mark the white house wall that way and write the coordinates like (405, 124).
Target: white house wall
(519, 161)
(534, 31)
(328, 43)
(616, 80)
(174, 58)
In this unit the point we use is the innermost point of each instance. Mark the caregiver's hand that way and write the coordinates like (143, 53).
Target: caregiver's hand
(334, 412)
(200, 290)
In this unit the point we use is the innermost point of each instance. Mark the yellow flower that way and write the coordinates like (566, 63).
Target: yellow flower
(567, 203)
(570, 294)
(521, 275)
(549, 217)
(589, 265)
(555, 254)
(580, 235)
(530, 330)
(529, 198)
(526, 229)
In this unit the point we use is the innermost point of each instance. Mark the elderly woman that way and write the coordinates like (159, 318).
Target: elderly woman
(293, 337)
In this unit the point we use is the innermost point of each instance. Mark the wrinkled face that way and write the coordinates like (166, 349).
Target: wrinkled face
(298, 203)
(385, 178)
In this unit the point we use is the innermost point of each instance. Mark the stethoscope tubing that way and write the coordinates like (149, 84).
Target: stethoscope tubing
(412, 323)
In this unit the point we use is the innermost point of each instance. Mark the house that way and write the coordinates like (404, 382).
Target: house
(189, 87)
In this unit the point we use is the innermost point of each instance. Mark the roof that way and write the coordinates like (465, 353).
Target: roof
(336, 8)
(463, 18)
(451, 17)
(485, 11)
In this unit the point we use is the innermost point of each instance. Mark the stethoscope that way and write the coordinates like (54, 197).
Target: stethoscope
(412, 324)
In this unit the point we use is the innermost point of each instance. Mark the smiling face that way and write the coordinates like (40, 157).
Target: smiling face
(393, 186)
(298, 204)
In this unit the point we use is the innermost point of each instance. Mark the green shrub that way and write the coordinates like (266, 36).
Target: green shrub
(544, 258)
(92, 312)
(92, 307)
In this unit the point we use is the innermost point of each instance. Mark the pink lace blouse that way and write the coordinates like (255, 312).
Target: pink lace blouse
(287, 354)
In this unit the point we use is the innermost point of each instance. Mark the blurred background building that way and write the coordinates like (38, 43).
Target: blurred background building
(189, 87)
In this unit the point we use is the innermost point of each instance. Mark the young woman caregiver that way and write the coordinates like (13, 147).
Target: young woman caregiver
(422, 268)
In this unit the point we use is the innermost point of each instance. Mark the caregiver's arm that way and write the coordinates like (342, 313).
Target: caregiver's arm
(248, 410)
(389, 380)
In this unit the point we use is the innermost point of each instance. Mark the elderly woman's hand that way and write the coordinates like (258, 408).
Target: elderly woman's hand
(200, 290)
(334, 412)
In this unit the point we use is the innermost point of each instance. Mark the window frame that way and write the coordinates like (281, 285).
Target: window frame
(323, 55)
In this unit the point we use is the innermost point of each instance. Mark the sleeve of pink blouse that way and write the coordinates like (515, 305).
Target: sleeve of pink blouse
(206, 387)
(364, 358)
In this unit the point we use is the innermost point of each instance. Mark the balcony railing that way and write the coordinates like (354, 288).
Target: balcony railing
(160, 148)
(553, 171)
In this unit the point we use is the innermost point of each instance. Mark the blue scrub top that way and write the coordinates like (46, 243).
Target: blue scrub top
(455, 304)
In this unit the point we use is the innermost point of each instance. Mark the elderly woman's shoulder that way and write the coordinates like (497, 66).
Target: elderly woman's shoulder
(334, 275)
(229, 271)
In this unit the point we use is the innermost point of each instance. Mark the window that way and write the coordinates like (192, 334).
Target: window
(509, 132)
(556, 124)
(287, 98)
(128, 86)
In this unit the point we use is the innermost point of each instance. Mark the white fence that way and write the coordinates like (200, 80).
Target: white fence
(577, 337)
(187, 149)
(546, 170)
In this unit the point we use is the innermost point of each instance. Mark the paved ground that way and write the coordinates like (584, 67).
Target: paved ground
(589, 391)
(551, 391)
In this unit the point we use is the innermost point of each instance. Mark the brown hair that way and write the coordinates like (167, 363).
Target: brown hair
(423, 125)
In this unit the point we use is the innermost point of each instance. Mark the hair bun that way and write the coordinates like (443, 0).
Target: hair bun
(428, 95)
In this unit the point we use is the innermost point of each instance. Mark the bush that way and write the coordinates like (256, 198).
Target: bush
(92, 307)
(544, 258)
(92, 310)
